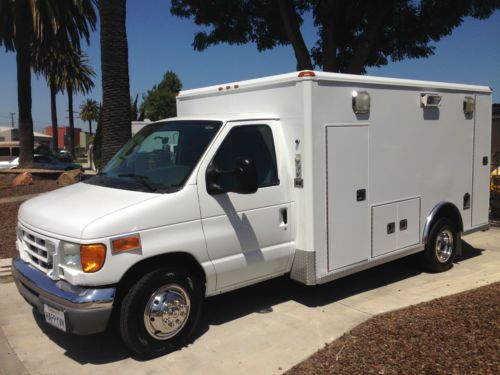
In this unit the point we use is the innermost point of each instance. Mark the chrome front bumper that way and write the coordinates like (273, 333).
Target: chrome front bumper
(86, 310)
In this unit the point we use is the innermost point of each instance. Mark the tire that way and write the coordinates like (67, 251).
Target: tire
(441, 247)
(141, 328)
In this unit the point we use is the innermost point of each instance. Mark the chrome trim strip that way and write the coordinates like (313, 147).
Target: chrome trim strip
(61, 291)
(482, 227)
(348, 270)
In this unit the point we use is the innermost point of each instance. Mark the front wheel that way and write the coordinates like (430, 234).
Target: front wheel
(441, 246)
(160, 313)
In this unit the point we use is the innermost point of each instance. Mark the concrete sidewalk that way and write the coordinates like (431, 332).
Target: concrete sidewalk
(262, 329)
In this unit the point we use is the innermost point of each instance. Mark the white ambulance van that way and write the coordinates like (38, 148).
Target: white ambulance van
(310, 174)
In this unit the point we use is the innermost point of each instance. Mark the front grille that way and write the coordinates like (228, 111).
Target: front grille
(38, 249)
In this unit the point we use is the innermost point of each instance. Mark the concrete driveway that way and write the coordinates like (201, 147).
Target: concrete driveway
(262, 329)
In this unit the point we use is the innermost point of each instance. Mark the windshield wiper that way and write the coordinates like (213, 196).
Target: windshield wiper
(143, 179)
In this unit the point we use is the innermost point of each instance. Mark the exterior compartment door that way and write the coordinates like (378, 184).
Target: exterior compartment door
(481, 167)
(348, 237)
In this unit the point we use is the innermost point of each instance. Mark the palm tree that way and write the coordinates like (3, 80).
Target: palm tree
(29, 23)
(48, 62)
(76, 77)
(89, 111)
(116, 122)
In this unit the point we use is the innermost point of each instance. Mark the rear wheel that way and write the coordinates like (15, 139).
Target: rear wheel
(441, 246)
(160, 313)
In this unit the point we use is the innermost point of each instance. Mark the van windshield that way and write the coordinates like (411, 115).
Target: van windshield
(159, 158)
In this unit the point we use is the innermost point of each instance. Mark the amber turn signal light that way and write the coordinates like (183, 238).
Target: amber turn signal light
(126, 243)
(92, 257)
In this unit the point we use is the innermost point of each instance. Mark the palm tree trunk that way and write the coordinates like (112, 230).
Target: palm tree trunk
(116, 123)
(90, 127)
(53, 113)
(69, 90)
(23, 27)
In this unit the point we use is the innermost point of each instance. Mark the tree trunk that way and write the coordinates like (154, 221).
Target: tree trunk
(53, 114)
(90, 127)
(116, 120)
(363, 49)
(69, 90)
(22, 41)
(292, 29)
(330, 37)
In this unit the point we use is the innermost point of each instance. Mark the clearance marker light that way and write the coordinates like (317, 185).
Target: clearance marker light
(307, 73)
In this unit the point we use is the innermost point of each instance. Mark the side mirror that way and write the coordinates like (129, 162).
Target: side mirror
(211, 180)
(242, 179)
(245, 176)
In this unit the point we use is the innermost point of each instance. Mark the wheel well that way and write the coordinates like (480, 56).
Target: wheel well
(183, 260)
(443, 209)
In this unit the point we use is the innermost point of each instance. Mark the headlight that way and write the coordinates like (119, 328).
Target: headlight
(70, 255)
(86, 258)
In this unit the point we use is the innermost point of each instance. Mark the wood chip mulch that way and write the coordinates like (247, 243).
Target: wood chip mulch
(39, 185)
(8, 211)
(459, 334)
(8, 222)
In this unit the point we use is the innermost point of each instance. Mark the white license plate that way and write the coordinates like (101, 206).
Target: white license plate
(55, 317)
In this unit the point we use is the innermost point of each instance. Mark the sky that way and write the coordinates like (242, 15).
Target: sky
(159, 42)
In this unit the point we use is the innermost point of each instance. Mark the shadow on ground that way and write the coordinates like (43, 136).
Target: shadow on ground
(260, 298)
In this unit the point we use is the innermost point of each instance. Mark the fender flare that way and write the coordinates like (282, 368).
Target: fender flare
(443, 205)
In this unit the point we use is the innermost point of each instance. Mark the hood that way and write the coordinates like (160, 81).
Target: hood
(67, 211)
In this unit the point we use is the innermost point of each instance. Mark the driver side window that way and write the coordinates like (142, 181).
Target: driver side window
(253, 142)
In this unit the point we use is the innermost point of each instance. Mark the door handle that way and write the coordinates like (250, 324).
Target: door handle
(284, 215)
(360, 195)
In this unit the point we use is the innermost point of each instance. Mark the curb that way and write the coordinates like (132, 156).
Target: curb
(6, 271)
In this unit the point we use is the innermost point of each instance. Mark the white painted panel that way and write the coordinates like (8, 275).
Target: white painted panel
(482, 144)
(408, 210)
(347, 172)
(384, 242)
(245, 234)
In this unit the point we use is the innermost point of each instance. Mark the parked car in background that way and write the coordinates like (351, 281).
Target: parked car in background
(9, 164)
(44, 162)
(51, 162)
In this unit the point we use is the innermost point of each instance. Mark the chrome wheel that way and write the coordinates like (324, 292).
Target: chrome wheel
(167, 311)
(444, 245)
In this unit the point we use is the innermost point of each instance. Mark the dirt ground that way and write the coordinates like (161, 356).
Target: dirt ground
(459, 334)
(8, 211)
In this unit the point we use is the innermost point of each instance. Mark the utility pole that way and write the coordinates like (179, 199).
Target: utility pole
(12, 118)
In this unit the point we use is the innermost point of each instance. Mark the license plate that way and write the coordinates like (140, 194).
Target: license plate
(55, 317)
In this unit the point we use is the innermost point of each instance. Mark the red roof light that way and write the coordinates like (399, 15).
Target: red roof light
(307, 73)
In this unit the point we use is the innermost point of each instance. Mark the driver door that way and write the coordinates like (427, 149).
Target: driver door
(248, 236)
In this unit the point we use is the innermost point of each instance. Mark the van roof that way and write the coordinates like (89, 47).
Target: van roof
(225, 117)
(333, 77)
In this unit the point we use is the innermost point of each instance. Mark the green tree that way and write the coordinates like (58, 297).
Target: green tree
(76, 77)
(26, 24)
(159, 102)
(116, 121)
(135, 113)
(352, 34)
(89, 111)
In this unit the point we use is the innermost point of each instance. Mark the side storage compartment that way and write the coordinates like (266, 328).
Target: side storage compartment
(395, 226)
(348, 236)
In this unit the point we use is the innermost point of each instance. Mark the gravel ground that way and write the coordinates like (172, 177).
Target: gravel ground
(459, 334)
